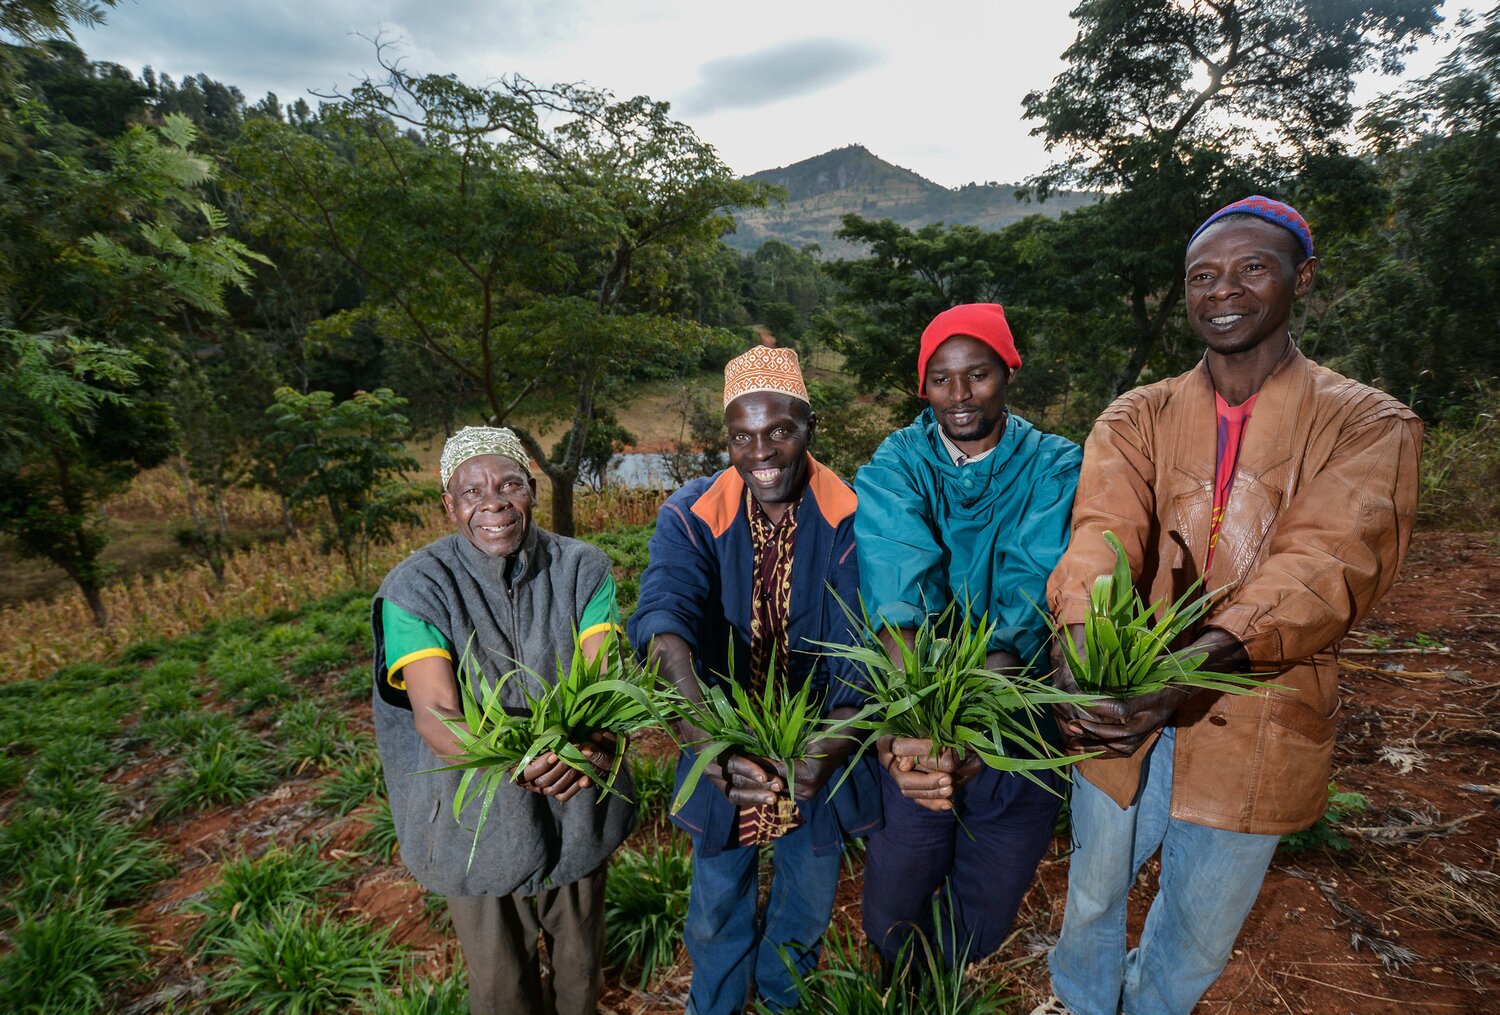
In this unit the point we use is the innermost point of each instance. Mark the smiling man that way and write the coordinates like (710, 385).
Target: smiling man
(510, 596)
(747, 570)
(1289, 489)
(968, 505)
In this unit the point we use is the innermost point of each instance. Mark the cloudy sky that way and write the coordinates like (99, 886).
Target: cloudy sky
(935, 86)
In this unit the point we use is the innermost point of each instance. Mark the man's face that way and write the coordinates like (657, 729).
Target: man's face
(966, 382)
(768, 434)
(1242, 276)
(489, 498)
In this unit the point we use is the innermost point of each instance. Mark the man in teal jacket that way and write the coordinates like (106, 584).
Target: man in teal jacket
(969, 504)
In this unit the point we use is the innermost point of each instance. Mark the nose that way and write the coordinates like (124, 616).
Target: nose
(1225, 287)
(960, 388)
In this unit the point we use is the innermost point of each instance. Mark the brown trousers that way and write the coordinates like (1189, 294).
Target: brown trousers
(499, 934)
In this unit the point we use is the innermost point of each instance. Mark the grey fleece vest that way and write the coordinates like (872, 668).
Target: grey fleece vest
(519, 611)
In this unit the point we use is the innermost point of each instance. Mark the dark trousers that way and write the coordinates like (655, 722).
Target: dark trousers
(499, 934)
(922, 856)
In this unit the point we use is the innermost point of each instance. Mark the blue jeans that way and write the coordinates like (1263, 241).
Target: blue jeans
(986, 864)
(725, 943)
(1209, 881)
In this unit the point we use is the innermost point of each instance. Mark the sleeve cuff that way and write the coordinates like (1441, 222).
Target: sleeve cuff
(399, 683)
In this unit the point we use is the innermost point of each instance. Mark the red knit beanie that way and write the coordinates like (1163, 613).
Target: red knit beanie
(982, 321)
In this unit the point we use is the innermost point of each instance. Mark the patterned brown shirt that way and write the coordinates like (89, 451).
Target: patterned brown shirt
(770, 601)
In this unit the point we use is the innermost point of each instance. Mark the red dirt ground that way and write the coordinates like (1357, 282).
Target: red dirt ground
(1434, 891)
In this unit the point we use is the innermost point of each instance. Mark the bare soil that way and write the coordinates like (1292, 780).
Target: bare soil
(1422, 871)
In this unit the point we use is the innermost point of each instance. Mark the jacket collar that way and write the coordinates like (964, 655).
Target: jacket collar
(505, 571)
(1278, 407)
(721, 503)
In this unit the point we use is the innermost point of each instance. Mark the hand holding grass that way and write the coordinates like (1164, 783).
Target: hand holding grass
(550, 776)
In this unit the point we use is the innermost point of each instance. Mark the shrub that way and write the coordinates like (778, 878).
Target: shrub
(251, 889)
(1461, 470)
(645, 907)
(216, 772)
(1324, 832)
(295, 961)
(70, 960)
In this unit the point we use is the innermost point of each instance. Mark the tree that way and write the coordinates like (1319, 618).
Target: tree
(99, 265)
(1427, 313)
(1174, 108)
(535, 260)
(32, 21)
(73, 432)
(350, 457)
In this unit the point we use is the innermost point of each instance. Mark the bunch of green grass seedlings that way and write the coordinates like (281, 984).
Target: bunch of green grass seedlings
(249, 889)
(941, 690)
(72, 959)
(311, 734)
(645, 908)
(774, 723)
(297, 961)
(358, 777)
(610, 693)
(285, 639)
(227, 769)
(189, 728)
(74, 857)
(653, 779)
(1128, 651)
(379, 836)
(237, 662)
(323, 657)
(422, 997)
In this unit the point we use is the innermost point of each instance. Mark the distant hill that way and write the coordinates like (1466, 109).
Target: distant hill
(820, 190)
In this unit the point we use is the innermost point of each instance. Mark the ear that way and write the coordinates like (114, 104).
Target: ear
(448, 507)
(531, 482)
(1306, 272)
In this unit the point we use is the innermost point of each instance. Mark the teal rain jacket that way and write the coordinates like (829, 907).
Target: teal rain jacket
(988, 533)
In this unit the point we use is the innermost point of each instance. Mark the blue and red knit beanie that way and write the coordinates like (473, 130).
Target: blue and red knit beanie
(1276, 212)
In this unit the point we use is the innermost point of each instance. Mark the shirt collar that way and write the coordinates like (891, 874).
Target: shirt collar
(959, 456)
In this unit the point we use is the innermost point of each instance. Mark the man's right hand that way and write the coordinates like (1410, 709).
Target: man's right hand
(926, 777)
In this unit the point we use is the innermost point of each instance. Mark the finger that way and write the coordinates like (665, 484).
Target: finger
(911, 747)
(746, 797)
(934, 805)
(743, 769)
(925, 783)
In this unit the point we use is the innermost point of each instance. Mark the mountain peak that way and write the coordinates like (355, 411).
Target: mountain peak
(824, 188)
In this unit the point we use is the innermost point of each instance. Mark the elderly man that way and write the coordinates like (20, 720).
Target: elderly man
(968, 505)
(747, 570)
(510, 596)
(1293, 489)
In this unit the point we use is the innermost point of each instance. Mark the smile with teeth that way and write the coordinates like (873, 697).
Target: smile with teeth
(1224, 319)
(766, 476)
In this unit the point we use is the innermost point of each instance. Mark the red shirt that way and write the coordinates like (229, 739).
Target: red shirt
(1232, 422)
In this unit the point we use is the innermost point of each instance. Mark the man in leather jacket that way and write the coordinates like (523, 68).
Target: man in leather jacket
(1298, 504)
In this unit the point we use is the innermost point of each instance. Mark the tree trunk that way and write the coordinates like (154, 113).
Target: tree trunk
(96, 602)
(562, 505)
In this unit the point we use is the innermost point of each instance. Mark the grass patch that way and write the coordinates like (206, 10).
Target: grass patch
(627, 550)
(1461, 470)
(250, 890)
(323, 657)
(296, 961)
(355, 782)
(70, 960)
(379, 836)
(645, 908)
(311, 735)
(72, 861)
(424, 997)
(654, 779)
(229, 771)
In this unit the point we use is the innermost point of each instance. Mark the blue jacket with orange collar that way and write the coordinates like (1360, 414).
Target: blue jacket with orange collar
(697, 586)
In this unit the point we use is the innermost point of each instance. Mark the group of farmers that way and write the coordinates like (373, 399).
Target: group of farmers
(1281, 482)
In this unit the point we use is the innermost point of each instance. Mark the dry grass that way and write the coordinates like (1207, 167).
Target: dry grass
(37, 637)
(160, 493)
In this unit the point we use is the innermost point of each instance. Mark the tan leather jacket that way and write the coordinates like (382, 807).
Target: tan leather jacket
(1318, 523)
